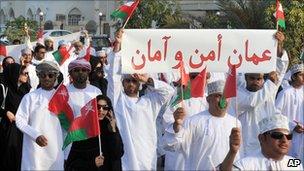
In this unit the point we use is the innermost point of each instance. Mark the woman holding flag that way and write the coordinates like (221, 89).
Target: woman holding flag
(87, 155)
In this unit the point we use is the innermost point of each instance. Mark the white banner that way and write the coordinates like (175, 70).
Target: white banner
(15, 50)
(160, 50)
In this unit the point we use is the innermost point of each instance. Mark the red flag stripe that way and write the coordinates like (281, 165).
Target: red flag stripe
(3, 50)
(230, 85)
(198, 84)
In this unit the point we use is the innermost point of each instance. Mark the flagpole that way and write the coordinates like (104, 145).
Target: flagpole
(236, 103)
(100, 152)
(130, 15)
(181, 85)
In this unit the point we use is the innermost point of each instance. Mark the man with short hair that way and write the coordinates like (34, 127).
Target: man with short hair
(136, 116)
(203, 138)
(102, 57)
(290, 102)
(42, 140)
(26, 57)
(274, 138)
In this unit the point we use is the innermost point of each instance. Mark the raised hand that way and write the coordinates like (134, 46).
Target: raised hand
(111, 118)
(235, 140)
(141, 77)
(179, 117)
(118, 40)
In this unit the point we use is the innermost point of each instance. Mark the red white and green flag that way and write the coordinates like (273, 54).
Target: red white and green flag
(126, 10)
(3, 50)
(195, 88)
(85, 126)
(59, 106)
(62, 54)
(86, 54)
(280, 15)
(230, 88)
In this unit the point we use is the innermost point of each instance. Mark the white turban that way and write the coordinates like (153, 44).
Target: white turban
(273, 122)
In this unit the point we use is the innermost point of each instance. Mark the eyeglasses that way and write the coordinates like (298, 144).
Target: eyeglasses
(128, 80)
(279, 135)
(103, 107)
(44, 75)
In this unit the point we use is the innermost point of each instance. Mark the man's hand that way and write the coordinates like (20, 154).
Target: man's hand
(141, 77)
(299, 129)
(235, 140)
(99, 161)
(11, 117)
(179, 117)
(26, 31)
(118, 40)
(273, 76)
(280, 37)
(41, 141)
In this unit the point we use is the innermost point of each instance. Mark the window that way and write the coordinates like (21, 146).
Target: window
(63, 33)
(55, 34)
(74, 19)
(60, 17)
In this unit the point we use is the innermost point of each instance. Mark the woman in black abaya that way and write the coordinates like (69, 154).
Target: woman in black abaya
(16, 81)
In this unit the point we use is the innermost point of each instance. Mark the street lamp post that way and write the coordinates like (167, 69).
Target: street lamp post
(40, 18)
(100, 18)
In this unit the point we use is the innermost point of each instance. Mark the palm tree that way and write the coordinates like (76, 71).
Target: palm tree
(245, 14)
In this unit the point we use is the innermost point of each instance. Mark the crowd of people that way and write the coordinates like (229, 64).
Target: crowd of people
(140, 129)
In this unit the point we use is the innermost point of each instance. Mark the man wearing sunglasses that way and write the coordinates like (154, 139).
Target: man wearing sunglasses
(80, 93)
(42, 140)
(274, 138)
(136, 116)
(290, 102)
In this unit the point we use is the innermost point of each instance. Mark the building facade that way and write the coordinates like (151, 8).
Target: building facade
(74, 15)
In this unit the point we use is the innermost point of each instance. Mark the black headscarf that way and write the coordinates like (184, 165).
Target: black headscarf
(15, 93)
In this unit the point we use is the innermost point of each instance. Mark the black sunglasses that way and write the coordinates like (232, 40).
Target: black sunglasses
(279, 135)
(44, 75)
(103, 107)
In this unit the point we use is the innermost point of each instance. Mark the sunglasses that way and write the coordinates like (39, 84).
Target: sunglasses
(103, 107)
(44, 75)
(279, 135)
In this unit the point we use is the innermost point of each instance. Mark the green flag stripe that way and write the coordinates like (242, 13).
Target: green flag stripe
(281, 23)
(57, 56)
(119, 14)
(76, 135)
(186, 94)
(64, 122)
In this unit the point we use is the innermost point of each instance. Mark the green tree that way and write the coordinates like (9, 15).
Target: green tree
(294, 19)
(159, 12)
(258, 14)
(245, 14)
(15, 28)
